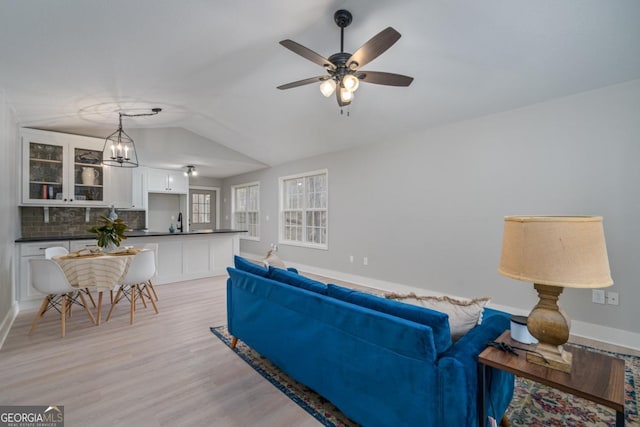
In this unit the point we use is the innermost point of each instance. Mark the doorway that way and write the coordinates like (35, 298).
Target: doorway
(204, 208)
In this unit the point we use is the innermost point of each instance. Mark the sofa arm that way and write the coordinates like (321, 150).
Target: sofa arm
(458, 375)
(293, 270)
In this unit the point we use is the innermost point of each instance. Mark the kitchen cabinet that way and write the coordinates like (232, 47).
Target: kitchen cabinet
(61, 169)
(27, 251)
(127, 188)
(120, 193)
(138, 189)
(76, 245)
(166, 181)
(191, 256)
(180, 257)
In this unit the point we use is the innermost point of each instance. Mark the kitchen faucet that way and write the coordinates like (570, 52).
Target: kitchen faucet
(180, 228)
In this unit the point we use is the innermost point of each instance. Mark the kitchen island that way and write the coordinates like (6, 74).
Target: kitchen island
(180, 256)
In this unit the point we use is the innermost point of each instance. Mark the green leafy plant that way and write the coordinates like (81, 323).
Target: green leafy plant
(111, 231)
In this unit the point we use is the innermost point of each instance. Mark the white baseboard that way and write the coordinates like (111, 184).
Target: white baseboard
(7, 322)
(592, 331)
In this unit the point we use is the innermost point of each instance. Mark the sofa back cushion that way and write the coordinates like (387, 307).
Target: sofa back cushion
(294, 279)
(250, 267)
(439, 322)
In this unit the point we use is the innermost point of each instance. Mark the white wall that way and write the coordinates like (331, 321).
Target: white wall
(162, 207)
(9, 226)
(427, 209)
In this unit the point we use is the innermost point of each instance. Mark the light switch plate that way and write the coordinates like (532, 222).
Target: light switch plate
(598, 296)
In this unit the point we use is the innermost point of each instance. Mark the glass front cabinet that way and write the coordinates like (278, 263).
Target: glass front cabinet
(62, 169)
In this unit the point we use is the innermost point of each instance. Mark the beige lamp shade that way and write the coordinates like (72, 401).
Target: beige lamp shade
(556, 250)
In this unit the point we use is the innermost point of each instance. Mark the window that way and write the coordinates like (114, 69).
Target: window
(200, 208)
(304, 209)
(246, 209)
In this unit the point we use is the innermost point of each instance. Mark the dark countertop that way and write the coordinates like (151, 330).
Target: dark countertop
(133, 233)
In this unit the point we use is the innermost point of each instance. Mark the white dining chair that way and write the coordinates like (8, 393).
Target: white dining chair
(153, 247)
(61, 251)
(55, 251)
(48, 278)
(135, 284)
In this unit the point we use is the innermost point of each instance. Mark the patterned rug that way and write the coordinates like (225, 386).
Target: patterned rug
(533, 405)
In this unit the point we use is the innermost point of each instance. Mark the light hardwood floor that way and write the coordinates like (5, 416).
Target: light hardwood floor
(165, 370)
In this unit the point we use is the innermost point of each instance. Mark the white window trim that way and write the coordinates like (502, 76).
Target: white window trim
(281, 239)
(233, 211)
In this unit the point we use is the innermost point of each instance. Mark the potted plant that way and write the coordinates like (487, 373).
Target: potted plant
(110, 233)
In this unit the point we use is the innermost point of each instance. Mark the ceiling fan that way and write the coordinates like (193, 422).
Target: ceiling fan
(343, 69)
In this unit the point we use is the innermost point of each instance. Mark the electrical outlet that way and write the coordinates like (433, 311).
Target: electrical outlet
(612, 298)
(598, 296)
(365, 261)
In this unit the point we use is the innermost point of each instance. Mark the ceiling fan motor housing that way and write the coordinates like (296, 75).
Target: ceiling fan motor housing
(342, 18)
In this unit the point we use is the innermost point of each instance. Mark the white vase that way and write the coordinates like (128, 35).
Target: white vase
(89, 176)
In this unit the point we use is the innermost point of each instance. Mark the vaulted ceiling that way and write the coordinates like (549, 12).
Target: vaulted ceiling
(213, 66)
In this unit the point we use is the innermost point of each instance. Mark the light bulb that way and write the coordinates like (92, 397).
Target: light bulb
(327, 87)
(351, 82)
(346, 95)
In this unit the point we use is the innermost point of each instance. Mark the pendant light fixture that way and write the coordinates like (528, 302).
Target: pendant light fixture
(191, 171)
(119, 149)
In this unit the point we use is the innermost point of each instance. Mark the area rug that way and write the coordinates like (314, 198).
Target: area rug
(533, 405)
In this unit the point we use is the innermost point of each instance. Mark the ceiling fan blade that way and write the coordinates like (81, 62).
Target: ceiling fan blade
(381, 78)
(307, 53)
(304, 82)
(374, 47)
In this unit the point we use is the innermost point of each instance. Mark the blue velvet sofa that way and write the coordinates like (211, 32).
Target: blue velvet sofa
(381, 362)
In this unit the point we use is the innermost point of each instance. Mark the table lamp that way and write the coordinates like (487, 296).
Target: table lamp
(554, 252)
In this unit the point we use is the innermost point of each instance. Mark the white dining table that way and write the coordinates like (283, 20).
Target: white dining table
(99, 272)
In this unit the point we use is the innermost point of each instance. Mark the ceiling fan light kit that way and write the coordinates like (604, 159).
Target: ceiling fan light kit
(327, 87)
(343, 69)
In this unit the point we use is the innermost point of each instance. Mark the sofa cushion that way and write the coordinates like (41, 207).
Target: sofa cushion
(250, 267)
(297, 280)
(438, 321)
(464, 314)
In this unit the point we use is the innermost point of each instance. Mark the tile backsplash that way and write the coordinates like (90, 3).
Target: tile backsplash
(70, 221)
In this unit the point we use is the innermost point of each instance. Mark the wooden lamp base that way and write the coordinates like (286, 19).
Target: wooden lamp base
(550, 325)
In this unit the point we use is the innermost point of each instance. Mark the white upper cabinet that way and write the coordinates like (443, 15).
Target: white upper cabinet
(167, 181)
(139, 189)
(120, 187)
(127, 188)
(62, 169)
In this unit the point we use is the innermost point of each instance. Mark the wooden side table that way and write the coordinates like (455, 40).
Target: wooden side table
(594, 376)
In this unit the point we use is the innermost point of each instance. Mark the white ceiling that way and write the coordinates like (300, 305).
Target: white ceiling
(213, 66)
